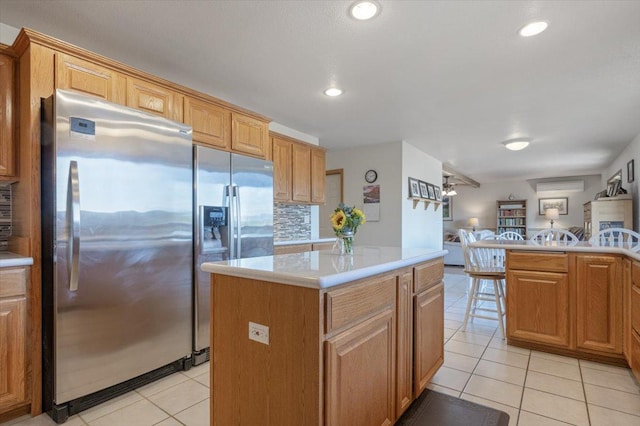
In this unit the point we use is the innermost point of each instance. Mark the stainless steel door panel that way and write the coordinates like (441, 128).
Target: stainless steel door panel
(253, 179)
(211, 177)
(131, 312)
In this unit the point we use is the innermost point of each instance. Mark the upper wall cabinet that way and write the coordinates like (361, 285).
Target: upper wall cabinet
(7, 121)
(249, 135)
(211, 123)
(298, 171)
(82, 76)
(154, 99)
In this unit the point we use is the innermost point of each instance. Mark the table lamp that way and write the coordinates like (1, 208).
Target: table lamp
(473, 221)
(552, 214)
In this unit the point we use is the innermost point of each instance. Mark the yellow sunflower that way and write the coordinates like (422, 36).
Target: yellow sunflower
(338, 219)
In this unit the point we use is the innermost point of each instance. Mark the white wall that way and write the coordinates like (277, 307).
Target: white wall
(481, 203)
(631, 152)
(386, 159)
(8, 34)
(399, 225)
(420, 227)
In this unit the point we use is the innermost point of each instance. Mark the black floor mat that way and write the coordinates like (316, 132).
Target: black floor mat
(434, 408)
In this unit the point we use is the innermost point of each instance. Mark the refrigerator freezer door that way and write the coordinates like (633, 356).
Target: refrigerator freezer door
(252, 180)
(212, 175)
(131, 310)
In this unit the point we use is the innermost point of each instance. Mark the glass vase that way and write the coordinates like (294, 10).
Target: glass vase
(345, 243)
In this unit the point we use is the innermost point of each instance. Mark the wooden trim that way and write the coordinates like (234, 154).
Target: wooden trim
(27, 36)
(291, 139)
(341, 173)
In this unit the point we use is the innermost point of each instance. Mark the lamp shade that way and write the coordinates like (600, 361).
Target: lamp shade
(473, 221)
(552, 214)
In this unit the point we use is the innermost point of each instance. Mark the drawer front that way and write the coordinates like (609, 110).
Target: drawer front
(358, 301)
(537, 261)
(427, 275)
(13, 281)
(635, 308)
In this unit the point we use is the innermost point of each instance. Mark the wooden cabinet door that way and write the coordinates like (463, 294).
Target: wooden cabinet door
(13, 366)
(7, 123)
(359, 374)
(154, 99)
(85, 77)
(281, 169)
(318, 175)
(538, 307)
(248, 135)
(300, 172)
(211, 123)
(599, 303)
(428, 336)
(634, 362)
(404, 358)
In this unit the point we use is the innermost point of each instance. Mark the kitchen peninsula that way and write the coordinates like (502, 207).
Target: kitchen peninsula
(576, 299)
(318, 338)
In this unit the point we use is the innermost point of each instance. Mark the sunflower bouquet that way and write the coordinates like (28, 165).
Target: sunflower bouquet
(345, 221)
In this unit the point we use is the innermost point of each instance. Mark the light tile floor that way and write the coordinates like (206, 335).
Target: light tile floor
(534, 388)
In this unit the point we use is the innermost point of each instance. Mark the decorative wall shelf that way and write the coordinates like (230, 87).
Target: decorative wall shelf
(418, 200)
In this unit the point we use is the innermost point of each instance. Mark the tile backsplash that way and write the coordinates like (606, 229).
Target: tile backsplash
(291, 222)
(5, 216)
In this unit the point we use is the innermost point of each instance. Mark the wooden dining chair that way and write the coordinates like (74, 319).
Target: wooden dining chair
(509, 235)
(483, 265)
(551, 235)
(617, 237)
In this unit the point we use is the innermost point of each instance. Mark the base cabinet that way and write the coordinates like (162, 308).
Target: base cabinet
(570, 303)
(342, 356)
(14, 389)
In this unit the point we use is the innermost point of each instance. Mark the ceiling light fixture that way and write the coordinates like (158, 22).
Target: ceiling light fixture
(534, 28)
(448, 189)
(333, 92)
(517, 144)
(364, 10)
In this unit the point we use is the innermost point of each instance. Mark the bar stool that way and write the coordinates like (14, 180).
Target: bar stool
(483, 265)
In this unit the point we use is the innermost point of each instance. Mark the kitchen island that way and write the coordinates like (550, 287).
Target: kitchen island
(578, 299)
(317, 338)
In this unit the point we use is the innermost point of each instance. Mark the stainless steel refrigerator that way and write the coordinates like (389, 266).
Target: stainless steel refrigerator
(117, 257)
(233, 208)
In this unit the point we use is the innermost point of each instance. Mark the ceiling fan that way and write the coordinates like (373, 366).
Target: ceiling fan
(448, 189)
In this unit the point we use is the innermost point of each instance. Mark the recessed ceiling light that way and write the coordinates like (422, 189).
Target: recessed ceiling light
(533, 28)
(363, 10)
(516, 144)
(333, 92)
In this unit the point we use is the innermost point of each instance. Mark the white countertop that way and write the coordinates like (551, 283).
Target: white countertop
(8, 259)
(295, 242)
(323, 269)
(580, 246)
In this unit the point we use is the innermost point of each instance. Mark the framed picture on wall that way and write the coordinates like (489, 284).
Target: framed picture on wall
(438, 193)
(562, 204)
(424, 193)
(630, 172)
(432, 191)
(447, 208)
(414, 188)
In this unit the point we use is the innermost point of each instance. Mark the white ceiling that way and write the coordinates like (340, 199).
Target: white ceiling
(452, 78)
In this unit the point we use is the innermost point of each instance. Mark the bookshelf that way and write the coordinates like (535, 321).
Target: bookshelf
(512, 216)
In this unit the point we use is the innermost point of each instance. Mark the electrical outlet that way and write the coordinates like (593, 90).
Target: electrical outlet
(259, 333)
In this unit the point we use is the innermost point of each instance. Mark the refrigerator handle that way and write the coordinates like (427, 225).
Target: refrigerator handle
(229, 205)
(73, 216)
(236, 193)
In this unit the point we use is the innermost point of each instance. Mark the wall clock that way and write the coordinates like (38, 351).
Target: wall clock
(371, 176)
